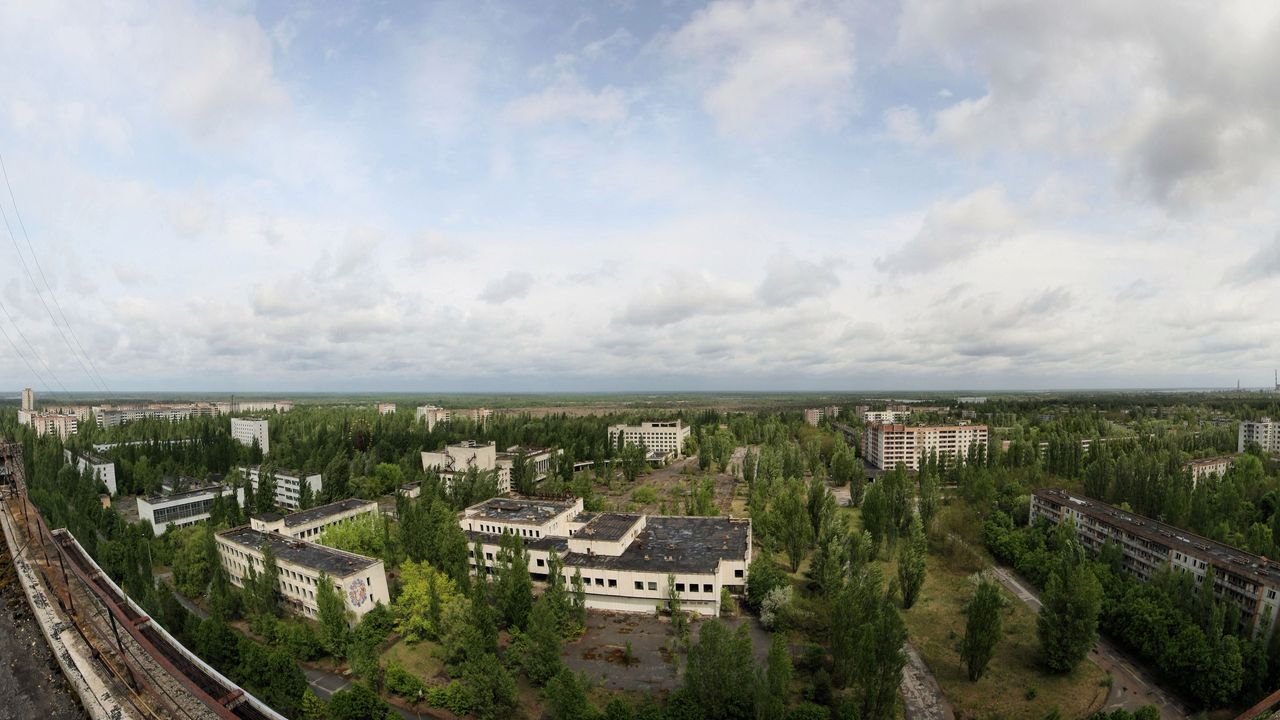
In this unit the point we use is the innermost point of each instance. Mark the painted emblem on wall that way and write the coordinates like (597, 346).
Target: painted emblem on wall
(357, 593)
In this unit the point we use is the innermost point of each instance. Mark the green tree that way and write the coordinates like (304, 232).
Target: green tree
(313, 708)
(331, 612)
(982, 628)
(792, 521)
(266, 586)
(191, 568)
(357, 702)
(911, 563)
(762, 577)
(306, 496)
(843, 464)
(930, 500)
(567, 697)
(542, 656)
(679, 621)
(1068, 621)
(265, 495)
(719, 672)
(423, 594)
(490, 686)
(880, 661)
(774, 688)
(578, 601)
(514, 586)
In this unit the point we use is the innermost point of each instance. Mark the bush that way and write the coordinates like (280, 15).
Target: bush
(400, 681)
(299, 639)
(775, 610)
(808, 711)
(452, 697)
(645, 495)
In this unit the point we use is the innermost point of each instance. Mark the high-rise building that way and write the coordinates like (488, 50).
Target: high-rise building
(288, 484)
(28, 400)
(665, 437)
(1266, 433)
(102, 469)
(246, 430)
(884, 446)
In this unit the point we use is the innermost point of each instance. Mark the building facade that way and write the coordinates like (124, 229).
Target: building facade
(386, 408)
(665, 437)
(814, 416)
(361, 581)
(103, 469)
(28, 400)
(1250, 582)
(288, 484)
(309, 524)
(886, 416)
(884, 446)
(628, 562)
(246, 430)
(182, 509)
(1209, 467)
(1266, 433)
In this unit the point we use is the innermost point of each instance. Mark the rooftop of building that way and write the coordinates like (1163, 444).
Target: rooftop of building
(676, 545)
(1259, 569)
(899, 427)
(304, 517)
(608, 526)
(336, 563)
(186, 494)
(1212, 460)
(280, 471)
(524, 510)
(546, 543)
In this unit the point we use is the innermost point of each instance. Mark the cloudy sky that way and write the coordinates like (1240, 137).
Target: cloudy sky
(747, 194)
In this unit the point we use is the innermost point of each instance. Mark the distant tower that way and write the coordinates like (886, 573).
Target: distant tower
(1277, 381)
(28, 400)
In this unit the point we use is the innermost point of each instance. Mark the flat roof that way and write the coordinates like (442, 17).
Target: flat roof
(187, 494)
(1255, 567)
(93, 458)
(336, 563)
(608, 526)
(546, 543)
(281, 471)
(675, 545)
(318, 513)
(519, 510)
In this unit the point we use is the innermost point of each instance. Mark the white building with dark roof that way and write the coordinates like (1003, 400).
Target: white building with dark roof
(627, 560)
(103, 469)
(308, 524)
(361, 581)
(288, 484)
(182, 509)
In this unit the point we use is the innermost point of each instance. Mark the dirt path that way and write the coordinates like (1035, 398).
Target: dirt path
(921, 693)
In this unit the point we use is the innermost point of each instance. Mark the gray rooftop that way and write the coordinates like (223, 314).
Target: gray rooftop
(677, 544)
(188, 494)
(546, 543)
(522, 510)
(304, 517)
(336, 563)
(608, 526)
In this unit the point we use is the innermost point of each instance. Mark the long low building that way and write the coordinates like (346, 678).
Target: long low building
(884, 446)
(627, 560)
(103, 469)
(307, 524)
(360, 581)
(182, 509)
(288, 484)
(1250, 582)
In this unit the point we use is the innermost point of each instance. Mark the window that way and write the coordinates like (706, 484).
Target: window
(613, 583)
(679, 587)
(693, 587)
(600, 582)
(706, 588)
(737, 573)
(541, 562)
(488, 556)
(639, 585)
(653, 585)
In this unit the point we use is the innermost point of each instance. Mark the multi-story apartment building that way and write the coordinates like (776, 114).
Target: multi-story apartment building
(308, 524)
(1250, 582)
(884, 446)
(455, 460)
(64, 425)
(1266, 433)
(663, 437)
(103, 469)
(246, 430)
(361, 581)
(886, 416)
(814, 416)
(288, 484)
(28, 400)
(1209, 467)
(182, 509)
(386, 408)
(626, 560)
(432, 415)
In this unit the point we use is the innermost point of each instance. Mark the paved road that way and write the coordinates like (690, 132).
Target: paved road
(923, 698)
(1131, 686)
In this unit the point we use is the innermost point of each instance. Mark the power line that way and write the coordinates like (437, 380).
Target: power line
(40, 295)
(36, 258)
(34, 354)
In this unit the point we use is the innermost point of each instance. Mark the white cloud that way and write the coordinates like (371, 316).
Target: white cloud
(953, 231)
(789, 280)
(512, 286)
(682, 296)
(769, 67)
(568, 101)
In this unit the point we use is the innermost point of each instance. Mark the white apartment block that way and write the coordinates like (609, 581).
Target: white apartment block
(28, 400)
(814, 416)
(361, 581)
(1248, 581)
(626, 559)
(1266, 433)
(64, 425)
(309, 524)
(456, 459)
(288, 484)
(662, 437)
(102, 468)
(246, 430)
(1209, 467)
(884, 446)
(386, 408)
(886, 416)
(432, 415)
(182, 509)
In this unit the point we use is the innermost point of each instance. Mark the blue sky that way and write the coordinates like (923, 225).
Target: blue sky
(754, 194)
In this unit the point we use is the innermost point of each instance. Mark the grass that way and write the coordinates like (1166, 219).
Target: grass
(935, 625)
(419, 658)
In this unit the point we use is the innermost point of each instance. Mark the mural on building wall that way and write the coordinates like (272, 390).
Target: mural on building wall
(357, 592)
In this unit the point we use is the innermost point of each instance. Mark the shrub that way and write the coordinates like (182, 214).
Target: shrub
(403, 683)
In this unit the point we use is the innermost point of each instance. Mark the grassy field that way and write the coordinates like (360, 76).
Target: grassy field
(935, 625)
(419, 659)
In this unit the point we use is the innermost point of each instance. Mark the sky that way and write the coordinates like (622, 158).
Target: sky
(620, 195)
